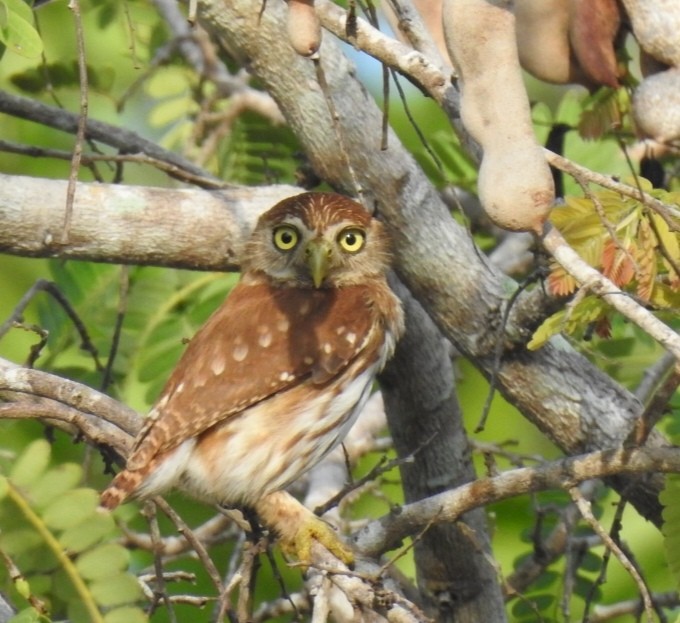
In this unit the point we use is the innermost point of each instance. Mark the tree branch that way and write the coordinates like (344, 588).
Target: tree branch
(384, 533)
(454, 574)
(598, 284)
(124, 140)
(132, 225)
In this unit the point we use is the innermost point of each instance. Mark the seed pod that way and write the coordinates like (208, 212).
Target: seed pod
(543, 40)
(569, 41)
(656, 106)
(515, 185)
(304, 27)
(593, 26)
(656, 24)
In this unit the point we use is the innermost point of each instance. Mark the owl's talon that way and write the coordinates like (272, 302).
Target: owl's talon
(315, 529)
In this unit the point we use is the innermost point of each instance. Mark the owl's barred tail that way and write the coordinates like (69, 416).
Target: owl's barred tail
(120, 489)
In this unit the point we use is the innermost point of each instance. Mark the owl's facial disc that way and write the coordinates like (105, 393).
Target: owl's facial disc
(318, 258)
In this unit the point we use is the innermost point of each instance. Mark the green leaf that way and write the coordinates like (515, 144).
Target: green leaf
(591, 562)
(117, 590)
(528, 607)
(670, 498)
(71, 509)
(23, 587)
(31, 464)
(17, 542)
(87, 533)
(4, 16)
(20, 35)
(4, 486)
(126, 614)
(103, 561)
(19, 7)
(28, 615)
(55, 483)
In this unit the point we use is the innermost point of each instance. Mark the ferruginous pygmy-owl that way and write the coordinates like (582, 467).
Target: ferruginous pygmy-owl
(278, 374)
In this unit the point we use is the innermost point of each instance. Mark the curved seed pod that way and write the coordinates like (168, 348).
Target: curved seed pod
(304, 27)
(656, 24)
(593, 26)
(543, 40)
(515, 185)
(656, 106)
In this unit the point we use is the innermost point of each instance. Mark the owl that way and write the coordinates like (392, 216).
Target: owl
(277, 375)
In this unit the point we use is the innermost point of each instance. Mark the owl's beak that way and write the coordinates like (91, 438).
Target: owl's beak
(317, 255)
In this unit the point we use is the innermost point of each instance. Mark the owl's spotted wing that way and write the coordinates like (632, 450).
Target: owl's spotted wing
(262, 341)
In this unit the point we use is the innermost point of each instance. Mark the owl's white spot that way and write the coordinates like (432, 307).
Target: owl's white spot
(327, 348)
(217, 365)
(161, 403)
(308, 361)
(283, 325)
(351, 338)
(180, 388)
(265, 338)
(240, 352)
(200, 381)
(341, 330)
(304, 308)
(286, 376)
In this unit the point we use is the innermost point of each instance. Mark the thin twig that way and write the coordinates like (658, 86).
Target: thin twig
(653, 375)
(655, 408)
(74, 5)
(632, 607)
(123, 291)
(337, 130)
(499, 349)
(159, 593)
(587, 514)
(42, 285)
(172, 169)
(198, 547)
(668, 212)
(120, 138)
(603, 287)
(217, 529)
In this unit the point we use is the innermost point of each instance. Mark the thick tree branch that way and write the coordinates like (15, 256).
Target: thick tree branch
(426, 421)
(132, 225)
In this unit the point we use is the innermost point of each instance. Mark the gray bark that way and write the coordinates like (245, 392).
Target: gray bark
(132, 225)
(456, 580)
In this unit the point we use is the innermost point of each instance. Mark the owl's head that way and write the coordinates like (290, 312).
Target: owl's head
(317, 240)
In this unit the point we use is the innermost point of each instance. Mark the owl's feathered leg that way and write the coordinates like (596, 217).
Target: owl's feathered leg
(297, 528)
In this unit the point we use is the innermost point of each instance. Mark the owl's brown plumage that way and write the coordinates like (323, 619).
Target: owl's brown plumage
(277, 375)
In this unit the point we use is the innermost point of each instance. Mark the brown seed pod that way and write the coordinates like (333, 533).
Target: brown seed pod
(304, 27)
(515, 185)
(593, 26)
(569, 41)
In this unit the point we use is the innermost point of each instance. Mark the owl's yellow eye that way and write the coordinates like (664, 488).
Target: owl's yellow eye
(352, 239)
(286, 237)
